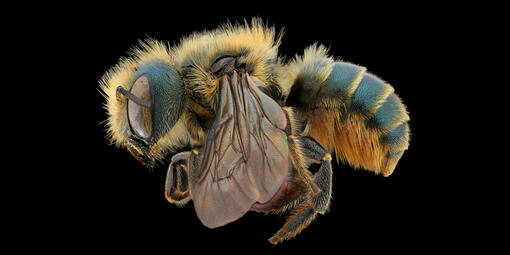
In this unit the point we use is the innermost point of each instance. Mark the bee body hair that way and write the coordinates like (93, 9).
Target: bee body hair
(254, 44)
(348, 110)
(123, 75)
(247, 150)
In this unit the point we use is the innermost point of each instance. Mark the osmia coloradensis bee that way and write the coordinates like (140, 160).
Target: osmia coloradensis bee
(255, 123)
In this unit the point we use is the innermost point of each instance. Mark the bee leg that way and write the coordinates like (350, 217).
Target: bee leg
(307, 210)
(324, 177)
(301, 217)
(177, 188)
(298, 160)
(316, 200)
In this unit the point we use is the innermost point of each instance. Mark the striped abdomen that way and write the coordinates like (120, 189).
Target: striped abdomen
(354, 113)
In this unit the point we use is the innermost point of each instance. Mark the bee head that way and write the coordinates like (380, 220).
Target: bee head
(152, 102)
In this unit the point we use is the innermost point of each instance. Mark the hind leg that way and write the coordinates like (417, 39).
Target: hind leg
(300, 218)
(324, 177)
(308, 207)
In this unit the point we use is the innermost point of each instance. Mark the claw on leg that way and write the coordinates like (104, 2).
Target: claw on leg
(302, 216)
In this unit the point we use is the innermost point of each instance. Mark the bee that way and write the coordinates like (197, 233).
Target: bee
(254, 122)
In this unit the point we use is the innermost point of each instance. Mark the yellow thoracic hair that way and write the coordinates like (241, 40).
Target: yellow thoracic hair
(255, 43)
(122, 74)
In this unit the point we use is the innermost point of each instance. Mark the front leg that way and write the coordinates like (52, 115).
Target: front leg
(177, 185)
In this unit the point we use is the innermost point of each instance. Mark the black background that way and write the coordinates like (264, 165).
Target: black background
(100, 197)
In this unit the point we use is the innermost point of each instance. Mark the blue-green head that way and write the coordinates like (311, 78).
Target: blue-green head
(154, 104)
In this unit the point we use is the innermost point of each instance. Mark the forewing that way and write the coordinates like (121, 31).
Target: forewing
(245, 157)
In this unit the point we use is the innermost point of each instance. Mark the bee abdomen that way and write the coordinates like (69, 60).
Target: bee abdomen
(372, 131)
(369, 95)
(398, 138)
(348, 111)
(397, 141)
(342, 82)
(383, 112)
(370, 100)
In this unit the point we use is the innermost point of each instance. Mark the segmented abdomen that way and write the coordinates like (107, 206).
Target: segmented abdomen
(371, 102)
(353, 113)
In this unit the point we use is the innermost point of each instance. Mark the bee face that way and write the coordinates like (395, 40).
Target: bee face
(154, 104)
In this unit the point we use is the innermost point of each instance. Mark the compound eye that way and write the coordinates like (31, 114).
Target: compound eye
(139, 116)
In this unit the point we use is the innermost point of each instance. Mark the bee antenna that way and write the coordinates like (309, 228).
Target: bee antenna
(131, 97)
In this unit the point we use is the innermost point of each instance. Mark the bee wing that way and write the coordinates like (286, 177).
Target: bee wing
(245, 157)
